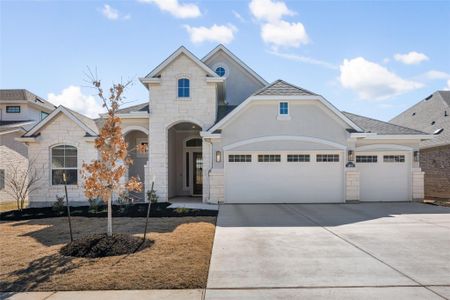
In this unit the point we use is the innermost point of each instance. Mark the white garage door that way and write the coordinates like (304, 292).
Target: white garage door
(294, 177)
(384, 176)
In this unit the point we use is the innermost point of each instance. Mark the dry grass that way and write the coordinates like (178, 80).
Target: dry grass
(179, 257)
(10, 205)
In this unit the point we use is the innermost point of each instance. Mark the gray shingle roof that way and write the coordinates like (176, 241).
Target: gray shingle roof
(282, 88)
(223, 110)
(137, 107)
(23, 94)
(380, 127)
(90, 123)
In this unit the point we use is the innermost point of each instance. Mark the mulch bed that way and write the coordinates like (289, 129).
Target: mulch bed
(102, 245)
(137, 210)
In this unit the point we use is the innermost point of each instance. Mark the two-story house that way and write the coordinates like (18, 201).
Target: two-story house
(19, 111)
(217, 130)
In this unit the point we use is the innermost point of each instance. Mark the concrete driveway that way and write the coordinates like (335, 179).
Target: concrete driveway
(323, 251)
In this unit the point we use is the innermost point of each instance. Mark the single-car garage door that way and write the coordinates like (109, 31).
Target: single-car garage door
(287, 177)
(384, 176)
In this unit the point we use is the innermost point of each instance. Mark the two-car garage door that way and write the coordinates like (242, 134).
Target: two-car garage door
(284, 177)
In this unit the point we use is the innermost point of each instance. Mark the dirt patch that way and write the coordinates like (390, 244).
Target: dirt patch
(178, 259)
(438, 201)
(102, 245)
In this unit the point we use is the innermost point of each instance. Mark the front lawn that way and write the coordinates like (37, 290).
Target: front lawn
(178, 258)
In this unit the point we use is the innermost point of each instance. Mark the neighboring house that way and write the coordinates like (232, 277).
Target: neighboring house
(19, 111)
(219, 131)
(432, 115)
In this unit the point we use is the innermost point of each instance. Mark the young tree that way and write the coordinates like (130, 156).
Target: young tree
(102, 177)
(21, 181)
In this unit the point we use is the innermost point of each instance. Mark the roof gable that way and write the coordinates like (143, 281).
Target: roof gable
(24, 95)
(182, 50)
(282, 88)
(229, 54)
(84, 122)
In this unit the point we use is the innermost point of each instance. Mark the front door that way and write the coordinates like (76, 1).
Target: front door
(197, 172)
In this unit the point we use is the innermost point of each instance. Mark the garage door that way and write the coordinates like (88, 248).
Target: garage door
(294, 177)
(384, 176)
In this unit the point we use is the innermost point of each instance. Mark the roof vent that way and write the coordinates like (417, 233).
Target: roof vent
(428, 98)
(439, 131)
(414, 114)
(445, 114)
(432, 123)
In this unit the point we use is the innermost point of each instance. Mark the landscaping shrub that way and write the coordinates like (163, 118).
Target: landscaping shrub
(59, 206)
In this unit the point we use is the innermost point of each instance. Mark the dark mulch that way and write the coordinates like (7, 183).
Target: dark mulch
(102, 245)
(137, 210)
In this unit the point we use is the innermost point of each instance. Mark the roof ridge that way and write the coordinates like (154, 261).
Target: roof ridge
(389, 123)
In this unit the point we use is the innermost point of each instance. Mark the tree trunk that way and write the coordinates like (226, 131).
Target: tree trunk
(109, 232)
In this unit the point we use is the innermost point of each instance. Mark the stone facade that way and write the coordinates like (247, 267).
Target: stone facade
(417, 184)
(168, 110)
(435, 162)
(61, 130)
(217, 188)
(352, 185)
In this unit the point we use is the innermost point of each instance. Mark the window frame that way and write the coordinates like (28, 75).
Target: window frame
(294, 157)
(220, 67)
(183, 88)
(52, 168)
(326, 157)
(363, 159)
(283, 111)
(8, 107)
(396, 158)
(269, 158)
(242, 158)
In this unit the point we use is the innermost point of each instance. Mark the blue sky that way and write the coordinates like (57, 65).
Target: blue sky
(371, 58)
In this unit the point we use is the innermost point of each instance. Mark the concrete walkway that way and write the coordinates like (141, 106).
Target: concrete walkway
(326, 251)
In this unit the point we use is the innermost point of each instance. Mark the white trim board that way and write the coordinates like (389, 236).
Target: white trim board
(284, 138)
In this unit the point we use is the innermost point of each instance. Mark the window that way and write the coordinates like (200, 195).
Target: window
(183, 88)
(394, 158)
(220, 71)
(43, 115)
(187, 169)
(298, 158)
(239, 158)
(194, 143)
(366, 158)
(327, 157)
(13, 109)
(64, 161)
(269, 158)
(2, 179)
(284, 108)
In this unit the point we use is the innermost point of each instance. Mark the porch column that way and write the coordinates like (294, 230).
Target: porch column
(418, 192)
(158, 160)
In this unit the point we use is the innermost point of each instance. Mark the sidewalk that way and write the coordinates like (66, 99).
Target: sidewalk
(109, 295)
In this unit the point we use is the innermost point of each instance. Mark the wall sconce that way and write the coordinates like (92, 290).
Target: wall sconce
(218, 156)
(350, 155)
(416, 156)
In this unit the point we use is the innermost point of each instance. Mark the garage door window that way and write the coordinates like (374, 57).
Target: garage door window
(298, 158)
(327, 157)
(239, 158)
(394, 158)
(366, 158)
(269, 158)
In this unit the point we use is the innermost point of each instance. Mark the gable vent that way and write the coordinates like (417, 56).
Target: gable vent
(428, 98)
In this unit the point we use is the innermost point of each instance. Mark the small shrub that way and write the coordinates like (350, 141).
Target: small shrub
(94, 205)
(152, 197)
(182, 210)
(59, 205)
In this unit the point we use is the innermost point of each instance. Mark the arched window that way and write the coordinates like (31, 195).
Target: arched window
(220, 71)
(195, 142)
(64, 161)
(183, 88)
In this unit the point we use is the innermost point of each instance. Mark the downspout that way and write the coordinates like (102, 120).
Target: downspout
(211, 167)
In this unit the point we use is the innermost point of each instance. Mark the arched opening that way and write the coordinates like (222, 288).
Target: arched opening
(185, 163)
(134, 138)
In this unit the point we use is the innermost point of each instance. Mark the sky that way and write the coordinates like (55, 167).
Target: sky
(374, 58)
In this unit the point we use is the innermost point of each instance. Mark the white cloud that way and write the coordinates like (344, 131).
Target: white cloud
(73, 98)
(217, 33)
(372, 81)
(447, 88)
(113, 14)
(304, 59)
(411, 58)
(176, 9)
(434, 74)
(268, 10)
(238, 16)
(284, 34)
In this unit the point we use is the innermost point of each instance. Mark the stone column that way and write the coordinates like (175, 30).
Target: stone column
(418, 192)
(217, 190)
(158, 159)
(352, 185)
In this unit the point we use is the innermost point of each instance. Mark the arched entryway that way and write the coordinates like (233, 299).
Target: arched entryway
(185, 163)
(134, 138)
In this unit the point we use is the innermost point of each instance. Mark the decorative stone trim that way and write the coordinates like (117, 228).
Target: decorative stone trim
(418, 191)
(352, 185)
(217, 187)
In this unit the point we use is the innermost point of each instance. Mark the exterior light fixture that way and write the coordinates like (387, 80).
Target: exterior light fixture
(218, 156)
(350, 159)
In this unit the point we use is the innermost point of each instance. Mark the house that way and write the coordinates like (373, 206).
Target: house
(432, 115)
(19, 111)
(219, 131)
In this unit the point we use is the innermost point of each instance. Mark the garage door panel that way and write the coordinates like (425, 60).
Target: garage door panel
(284, 182)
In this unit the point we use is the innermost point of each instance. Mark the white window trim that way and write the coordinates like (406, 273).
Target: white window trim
(184, 76)
(283, 117)
(224, 66)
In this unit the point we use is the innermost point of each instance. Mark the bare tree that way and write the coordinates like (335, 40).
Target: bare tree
(21, 182)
